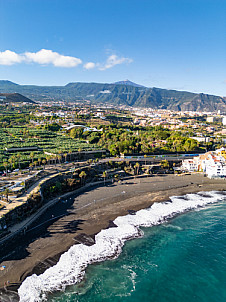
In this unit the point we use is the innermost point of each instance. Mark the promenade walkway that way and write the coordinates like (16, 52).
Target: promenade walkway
(23, 225)
(23, 198)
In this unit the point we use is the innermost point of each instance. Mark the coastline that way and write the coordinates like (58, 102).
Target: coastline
(110, 202)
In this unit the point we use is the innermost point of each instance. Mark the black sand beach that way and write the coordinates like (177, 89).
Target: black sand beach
(89, 213)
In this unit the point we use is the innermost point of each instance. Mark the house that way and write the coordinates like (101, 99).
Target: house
(216, 171)
(189, 165)
(212, 163)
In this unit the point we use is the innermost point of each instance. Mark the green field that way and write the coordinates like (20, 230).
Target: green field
(49, 141)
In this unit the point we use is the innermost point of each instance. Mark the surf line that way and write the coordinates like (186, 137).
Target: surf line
(71, 266)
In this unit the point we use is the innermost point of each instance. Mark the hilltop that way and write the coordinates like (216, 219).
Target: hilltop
(128, 82)
(15, 98)
(120, 94)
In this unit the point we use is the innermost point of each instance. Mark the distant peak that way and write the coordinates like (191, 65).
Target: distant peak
(6, 82)
(128, 82)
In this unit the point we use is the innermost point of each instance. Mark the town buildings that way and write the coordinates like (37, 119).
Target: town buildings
(212, 163)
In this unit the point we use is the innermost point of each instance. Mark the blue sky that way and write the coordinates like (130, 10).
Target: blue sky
(173, 44)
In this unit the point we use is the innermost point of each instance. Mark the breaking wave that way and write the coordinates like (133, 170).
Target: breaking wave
(109, 242)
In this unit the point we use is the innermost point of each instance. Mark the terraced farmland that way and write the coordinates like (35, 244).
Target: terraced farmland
(46, 141)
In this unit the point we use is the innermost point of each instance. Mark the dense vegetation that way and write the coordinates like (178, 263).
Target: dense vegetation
(22, 128)
(139, 140)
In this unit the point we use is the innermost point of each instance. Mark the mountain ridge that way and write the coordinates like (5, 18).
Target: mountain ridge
(15, 98)
(120, 94)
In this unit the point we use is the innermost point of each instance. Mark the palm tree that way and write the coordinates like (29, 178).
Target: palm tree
(59, 158)
(104, 175)
(5, 164)
(47, 159)
(18, 159)
(70, 152)
(35, 163)
(6, 192)
(82, 176)
(39, 161)
(136, 167)
(31, 166)
(65, 156)
(79, 152)
(11, 162)
(32, 155)
(44, 163)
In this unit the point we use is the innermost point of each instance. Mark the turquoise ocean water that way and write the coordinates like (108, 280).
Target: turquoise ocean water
(181, 260)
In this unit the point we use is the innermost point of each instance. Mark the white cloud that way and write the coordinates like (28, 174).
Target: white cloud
(42, 57)
(9, 57)
(89, 65)
(45, 56)
(113, 60)
(49, 57)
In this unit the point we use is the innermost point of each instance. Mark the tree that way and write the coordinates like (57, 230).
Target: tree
(165, 164)
(136, 167)
(79, 152)
(59, 158)
(5, 164)
(11, 162)
(65, 156)
(32, 156)
(39, 161)
(35, 163)
(31, 165)
(76, 133)
(190, 144)
(70, 152)
(44, 163)
(82, 176)
(52, 127)
(18, 159)
(6, 192)
(104, 175)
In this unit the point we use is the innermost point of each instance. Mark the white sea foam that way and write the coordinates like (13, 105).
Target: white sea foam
(71, 267)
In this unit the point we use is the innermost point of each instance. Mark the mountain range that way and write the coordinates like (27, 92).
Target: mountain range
(120, 93)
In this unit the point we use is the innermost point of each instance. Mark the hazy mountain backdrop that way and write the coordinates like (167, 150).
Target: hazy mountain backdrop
(120, 93)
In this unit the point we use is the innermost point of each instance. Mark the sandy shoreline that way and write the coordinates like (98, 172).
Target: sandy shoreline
(93, 210)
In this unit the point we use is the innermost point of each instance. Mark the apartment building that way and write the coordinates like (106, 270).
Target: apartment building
(212, 163)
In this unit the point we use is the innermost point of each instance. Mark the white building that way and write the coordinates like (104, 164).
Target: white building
(190, 165)
(211, 119)
(216, 171)
(205, 139)
(224, 120)
(212, 163)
